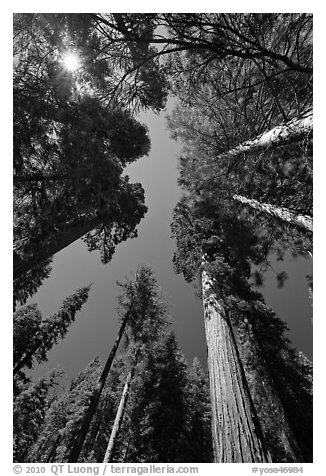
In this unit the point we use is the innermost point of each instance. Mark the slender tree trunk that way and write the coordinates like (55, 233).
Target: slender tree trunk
(292, 131)
(284, 214)
(237, 435)
(118, 417)
(37, 254)
(75, 452)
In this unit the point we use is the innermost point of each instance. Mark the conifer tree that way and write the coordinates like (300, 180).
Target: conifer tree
(34, 337)
(156, 427)
(119, 415)
(143, 310)
(99, 387)
(69, 148)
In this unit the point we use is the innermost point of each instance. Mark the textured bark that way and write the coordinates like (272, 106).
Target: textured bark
(62, 239)
(284, 214)
(87, 420)
(293, 131)
(237, 436)
(118, 418)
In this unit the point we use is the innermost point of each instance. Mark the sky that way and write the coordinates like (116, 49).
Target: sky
(97, 324)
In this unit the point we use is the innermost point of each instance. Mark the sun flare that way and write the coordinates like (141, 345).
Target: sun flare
(71, 61)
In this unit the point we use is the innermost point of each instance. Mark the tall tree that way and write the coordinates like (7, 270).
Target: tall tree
(143, 313)
(212, 231)
(70, 151)
(87, 420)
(157, 426)
(118, 416)
(237, 435)
(34, 337)
(223, 121)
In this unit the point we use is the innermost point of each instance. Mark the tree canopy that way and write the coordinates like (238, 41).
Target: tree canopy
(70, 150)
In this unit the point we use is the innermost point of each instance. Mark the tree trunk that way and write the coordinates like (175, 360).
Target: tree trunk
(61, 240)
(75, 452)
(237, 435)
(293, 131)
(92, 435)
(118, 417)
(284, 214)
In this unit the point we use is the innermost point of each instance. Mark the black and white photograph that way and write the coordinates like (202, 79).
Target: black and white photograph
(162, 238)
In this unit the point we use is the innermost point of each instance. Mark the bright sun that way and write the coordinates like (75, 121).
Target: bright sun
(71, 61)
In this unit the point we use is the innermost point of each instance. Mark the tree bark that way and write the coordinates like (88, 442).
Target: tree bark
(118, 417)
(237, 435)
(293, 131)
(36, 255)
(284, 214)
(75, 452)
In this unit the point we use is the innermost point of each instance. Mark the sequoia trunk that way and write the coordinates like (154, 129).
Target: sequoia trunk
(237, 435)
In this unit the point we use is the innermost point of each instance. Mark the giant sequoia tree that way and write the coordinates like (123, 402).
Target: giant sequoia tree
(248, 354)
(69, 150)
(238, 162)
